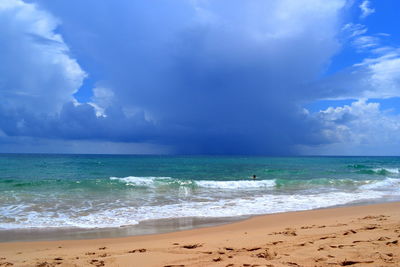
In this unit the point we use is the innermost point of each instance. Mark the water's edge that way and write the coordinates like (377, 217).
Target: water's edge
(148, 227)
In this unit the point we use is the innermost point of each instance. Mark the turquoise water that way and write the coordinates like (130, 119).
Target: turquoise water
(87, 191)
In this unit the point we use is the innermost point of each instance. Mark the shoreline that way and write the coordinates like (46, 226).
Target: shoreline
(321, 237)
(144, 228)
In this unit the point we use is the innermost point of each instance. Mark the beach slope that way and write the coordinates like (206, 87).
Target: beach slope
(348, 236)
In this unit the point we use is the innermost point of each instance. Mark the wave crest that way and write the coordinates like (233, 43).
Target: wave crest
(387, 183)
(168, 181)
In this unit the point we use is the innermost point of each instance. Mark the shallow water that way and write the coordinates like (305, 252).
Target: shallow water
(64, 192)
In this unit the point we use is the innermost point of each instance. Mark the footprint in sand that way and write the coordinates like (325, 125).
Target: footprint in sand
(192, 246)
(217, 259)
(268, 255)
(287, 232)
(97, 262)
(386, 257)
(370, 227)
(361, 241)
(392, 243)
(383, 238)
(351, 231)
(350, 262)
(140, 250)
(326, 237)
(374, 217)
(252, 249)
(47, 264)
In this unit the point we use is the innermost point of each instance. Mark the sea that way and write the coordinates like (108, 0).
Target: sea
(48, 196)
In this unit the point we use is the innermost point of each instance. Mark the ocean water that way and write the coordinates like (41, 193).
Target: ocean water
(103, 191)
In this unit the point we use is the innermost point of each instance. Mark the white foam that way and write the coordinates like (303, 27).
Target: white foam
(123, 214)
(156, 181)
(101, 213)
(138, 181)
(388, 184)
(389, 170)
(241, 184)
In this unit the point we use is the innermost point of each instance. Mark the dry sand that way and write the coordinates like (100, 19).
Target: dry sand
(349, 236)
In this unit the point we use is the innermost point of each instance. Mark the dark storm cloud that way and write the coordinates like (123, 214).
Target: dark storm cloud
(223, 77)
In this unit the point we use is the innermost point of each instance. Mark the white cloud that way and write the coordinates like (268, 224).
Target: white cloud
(353, 30)
(36, 71)
(376, 76)
(365, 42)
(382, 79)
(103, 98)
(360, 128)
(366, 10)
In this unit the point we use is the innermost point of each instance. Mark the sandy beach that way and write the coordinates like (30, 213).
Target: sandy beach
(347, 236)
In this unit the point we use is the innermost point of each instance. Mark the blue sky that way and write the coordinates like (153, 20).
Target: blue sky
(265, 77)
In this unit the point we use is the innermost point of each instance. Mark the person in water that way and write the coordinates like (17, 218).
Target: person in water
(254, 177)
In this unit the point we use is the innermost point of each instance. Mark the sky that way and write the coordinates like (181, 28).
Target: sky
(214, 77)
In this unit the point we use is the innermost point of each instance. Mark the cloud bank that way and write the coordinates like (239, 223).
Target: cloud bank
(202, 77)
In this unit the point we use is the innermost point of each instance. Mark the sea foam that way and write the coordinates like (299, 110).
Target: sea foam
(130, 215)
(386, 184)
(159, 181)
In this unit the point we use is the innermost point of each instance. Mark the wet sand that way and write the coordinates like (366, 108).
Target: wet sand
(348, 236)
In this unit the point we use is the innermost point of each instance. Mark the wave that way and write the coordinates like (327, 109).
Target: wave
(155, 182)
(386, 170)
(380, 171)
(357, 166)
(116, 216)
(141, 181)
(168, 181)
(388, 183)
(114, 211)
(236, 184)
(321, 182)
